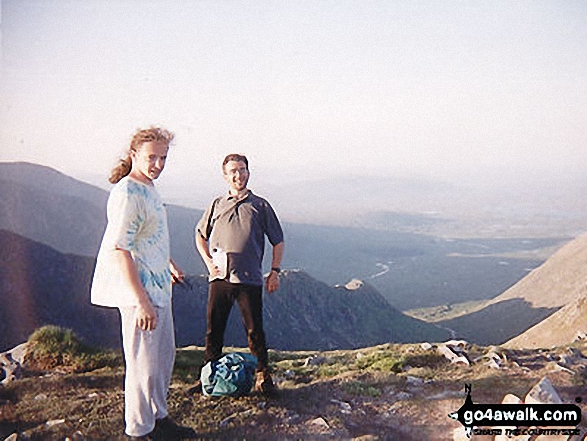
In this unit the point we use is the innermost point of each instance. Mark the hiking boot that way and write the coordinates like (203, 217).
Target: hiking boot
(168, 430)
(264, 384)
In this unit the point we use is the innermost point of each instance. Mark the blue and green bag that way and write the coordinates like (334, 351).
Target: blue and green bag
(233, 374)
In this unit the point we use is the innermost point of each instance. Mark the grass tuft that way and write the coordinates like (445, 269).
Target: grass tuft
(53, 347)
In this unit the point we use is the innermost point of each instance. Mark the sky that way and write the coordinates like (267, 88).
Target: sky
(307, 89)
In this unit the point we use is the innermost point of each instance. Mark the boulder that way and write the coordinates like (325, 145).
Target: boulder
(511, 399)
(451, 354)
(11, 364)
(314, 360)
(543, 393)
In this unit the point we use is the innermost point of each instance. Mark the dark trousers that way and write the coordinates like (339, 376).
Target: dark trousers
(221, 297)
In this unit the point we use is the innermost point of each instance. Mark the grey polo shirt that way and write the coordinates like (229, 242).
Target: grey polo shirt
(239, 228)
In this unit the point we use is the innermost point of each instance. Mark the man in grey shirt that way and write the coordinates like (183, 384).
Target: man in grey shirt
(230, 237)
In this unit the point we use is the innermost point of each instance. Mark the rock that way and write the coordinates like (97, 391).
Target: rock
(19, 353)
(10, 369)
(452, 356)
(508, 399)
(414, 381)
(497, 356)
(52, 423)
(492, 364)
(511, 399)
(573, 355)
(543, 393)
(315, 360)
(344, 406)
(581, 336)
(456, 343)
(557, 367)
(229, 419)
(567, 359)
(77, 436)
(426, 346)
(354, 284)
(320, 422)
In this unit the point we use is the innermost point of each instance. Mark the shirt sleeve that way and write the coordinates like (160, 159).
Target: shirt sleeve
(272, 226)
(204, 226)
(124, 220)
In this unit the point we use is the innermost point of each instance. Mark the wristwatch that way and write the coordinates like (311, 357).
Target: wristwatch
(276, 269)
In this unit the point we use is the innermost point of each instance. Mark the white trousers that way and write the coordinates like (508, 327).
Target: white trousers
(149, 358)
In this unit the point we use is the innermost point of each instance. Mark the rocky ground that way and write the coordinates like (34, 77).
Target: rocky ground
(388, 392)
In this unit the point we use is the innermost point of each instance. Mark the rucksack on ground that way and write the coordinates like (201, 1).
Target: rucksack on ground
(233, 374)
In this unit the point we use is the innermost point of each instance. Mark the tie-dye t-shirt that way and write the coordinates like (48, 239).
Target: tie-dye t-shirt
(137, 222)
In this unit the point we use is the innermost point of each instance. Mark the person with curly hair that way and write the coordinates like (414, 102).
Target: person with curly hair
(134, 273)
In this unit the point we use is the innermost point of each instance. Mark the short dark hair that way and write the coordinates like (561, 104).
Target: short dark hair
(235, 157)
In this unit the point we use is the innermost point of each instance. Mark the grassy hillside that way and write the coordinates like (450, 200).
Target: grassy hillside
(558, 329)
(556, 284)
(383, 392)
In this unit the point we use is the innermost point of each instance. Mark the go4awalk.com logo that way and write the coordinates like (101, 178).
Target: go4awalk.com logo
(539, 417)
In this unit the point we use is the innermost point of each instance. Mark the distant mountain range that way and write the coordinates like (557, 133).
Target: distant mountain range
(410, 270)
(51, 208)
(39, 285)
(52, 226)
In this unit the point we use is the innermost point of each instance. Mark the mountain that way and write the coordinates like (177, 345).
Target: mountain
(51, 208)
(39, 285)
(306, 314)
(559, 329)
(52, 181)
(409, 270)
(68, 223)
(558, 283)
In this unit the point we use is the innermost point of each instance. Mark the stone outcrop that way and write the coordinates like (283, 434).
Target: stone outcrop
(11, 363)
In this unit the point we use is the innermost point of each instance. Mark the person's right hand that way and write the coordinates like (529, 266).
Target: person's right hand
(146, 317)
(213, 270)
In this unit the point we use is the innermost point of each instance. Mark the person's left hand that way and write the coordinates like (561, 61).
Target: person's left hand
(177, 275)
(272, 282)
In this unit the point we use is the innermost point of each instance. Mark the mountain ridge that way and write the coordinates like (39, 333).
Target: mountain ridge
(540, 302)
(425, 270)
(39, 285)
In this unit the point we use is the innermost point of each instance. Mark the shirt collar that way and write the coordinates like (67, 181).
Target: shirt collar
(230, 197)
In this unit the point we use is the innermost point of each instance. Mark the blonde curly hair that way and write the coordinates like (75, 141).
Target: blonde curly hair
(141, 136)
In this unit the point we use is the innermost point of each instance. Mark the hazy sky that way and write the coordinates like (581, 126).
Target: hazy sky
(304, 88)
